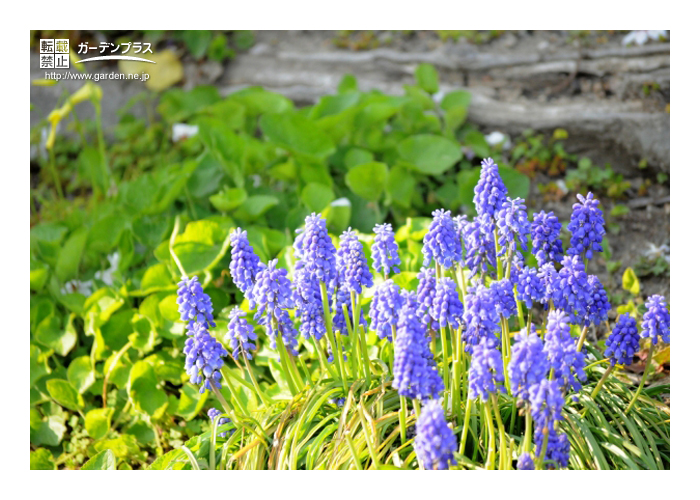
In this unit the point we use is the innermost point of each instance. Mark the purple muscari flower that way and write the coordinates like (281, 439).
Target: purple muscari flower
(435, 443)
(352, 263)
(567, 363)
(384, 309)
(546, 244)
(272, 295)
(426, 294)
(530, 286)
(623, 341)
(502, 291)
(244, 263)
(481, 319)
(550, 280)
(525, 462)
(597, 311)
(309, 305)
(513, 226)
(656, 322)
(485, 371)
(193, 304)
(213, 413)
(446, 307)
(339, 402)
(385, 251)
(342, 298)
(586, 227)
(442, 242)
(330, 357)
(315, 251)
(528, 363)
(240, 335)
(572, 292)
(415, 373)
(547, 403)
(490, 192)
(479, 246)
(204, 358)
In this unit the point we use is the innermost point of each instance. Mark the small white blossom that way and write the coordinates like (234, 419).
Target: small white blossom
(184, 131)
(640, 37)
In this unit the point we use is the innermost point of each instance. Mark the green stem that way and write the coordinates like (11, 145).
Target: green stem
(284, 362)
(456, 369)
(261, 395)
(491, 454)
(521, 314)
(365, 352)
(543, 451)
(465, 428)
(173, 235)
(354, 356)
(237, 403)
(325, 365)
(503, 448)
(581, 339)
(505, 340)
(337, 359)
(647, 368)
(527, 438)
(54, 173)
(416, 407)
(445, 366)
(600, 383)
(403, 416)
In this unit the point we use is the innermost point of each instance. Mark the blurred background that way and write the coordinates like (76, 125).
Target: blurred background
(259, 129)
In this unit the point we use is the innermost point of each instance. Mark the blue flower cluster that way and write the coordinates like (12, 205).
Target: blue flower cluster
(485, 371)
(385, 251)
(586, 227)
(478, 245)
(352, 263)
(513, 227)
(384, 309)
(568, 363)
(426, 293)
(240, 334)
(245, 264)
(598, 307)
(504, 302)
(272, 295)
(309, 305)
(481, 319)
(435, 444)
(547, 402)
(193, 304)
(528, 364)
(314, 250)
(213, 413)
(546, 244)
(656, 322)
(490, 192)
(623, 341)
(343, 298)
(442, 242)
(530, 286)
(446, 307)
(204, 358)
(415, 374)
(525, 462)
(571, 290)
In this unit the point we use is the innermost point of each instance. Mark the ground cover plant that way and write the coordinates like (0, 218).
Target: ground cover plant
(115, 227)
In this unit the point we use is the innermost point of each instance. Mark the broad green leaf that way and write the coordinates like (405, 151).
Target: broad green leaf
(81, 374)
(156, 278)
(317, 196)
(64, 394)
(357, 156)
(367, 180)
(38, 274)
(297, 133)
(456, 99)
(71, 254)
(401, 186)
(41, 459)
(104, 460)
(143, 390)
(228, 199)
(191, 402)
(259, 101)
(517, 183)
(427, 78)
(630, 282)
(38, 364)
(255, 206)
(98, 422)
(49, 431)
(477, 142)
(56, 334)
(430, 154)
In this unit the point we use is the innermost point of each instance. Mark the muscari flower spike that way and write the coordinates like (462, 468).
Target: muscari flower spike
(446, 307)
(213, 413)
(442, 242)
(481, 320)
(272, 295)
(586, 227)
(479, 246)
(490, 192)
(568, 363)
(546, 244)
(550, 280)
(547, 403)
(309, 305)
(314, 250)
(426, 294)
(528, 363)
(385, 251)
(435, 443)
(245, 264)
(572, 292)
(530, 286)
(513, 227)
(193, 304)
(502, 291)
(656, 322)
(353, 270)
(415, 373)
(384, 309)
(204, 358)
(343, 298)
(485, 371)
(525, 462)
(623, 341)
(240, 335)
(598, 307)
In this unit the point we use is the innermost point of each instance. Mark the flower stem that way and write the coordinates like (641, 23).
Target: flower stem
(261, 395)
(581, 339)
(503, 447)
(600, 383)
(355, 303)
(491, 454)
(354, 356)
(173, 235)
(403, 416)
(647, 368)
(338, 360)
(456, 371)
(527, 438)
(284, 363)
(543, 450)
(465, 428)
(445, 366)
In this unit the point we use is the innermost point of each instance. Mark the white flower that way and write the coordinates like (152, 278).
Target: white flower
(77, 286)
(106, 276)
(495, 138)
(640, 37)
(660, 252)
(184, 131)
(341, 202)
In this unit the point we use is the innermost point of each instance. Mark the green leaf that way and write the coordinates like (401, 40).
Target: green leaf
(64, 394)
(228, 199)
(156, 278)
(456, 99)
(297, 133)
(56, 335)
(49, 432)
(191, 402)
(619, 210)
(81, 374)
(41, 459)
(199, 245)
(477, 142)
(357, 156)
(197, 41)
(517, 183)
(38, 274)
(71, 254)
(104, 460)
(98, 422)
(255, 207)
(401, 186)
(430, 154)
(630, 282)
(143, 390)
(367, 180)
(317, 196)
(427, 78)
(38, 364)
